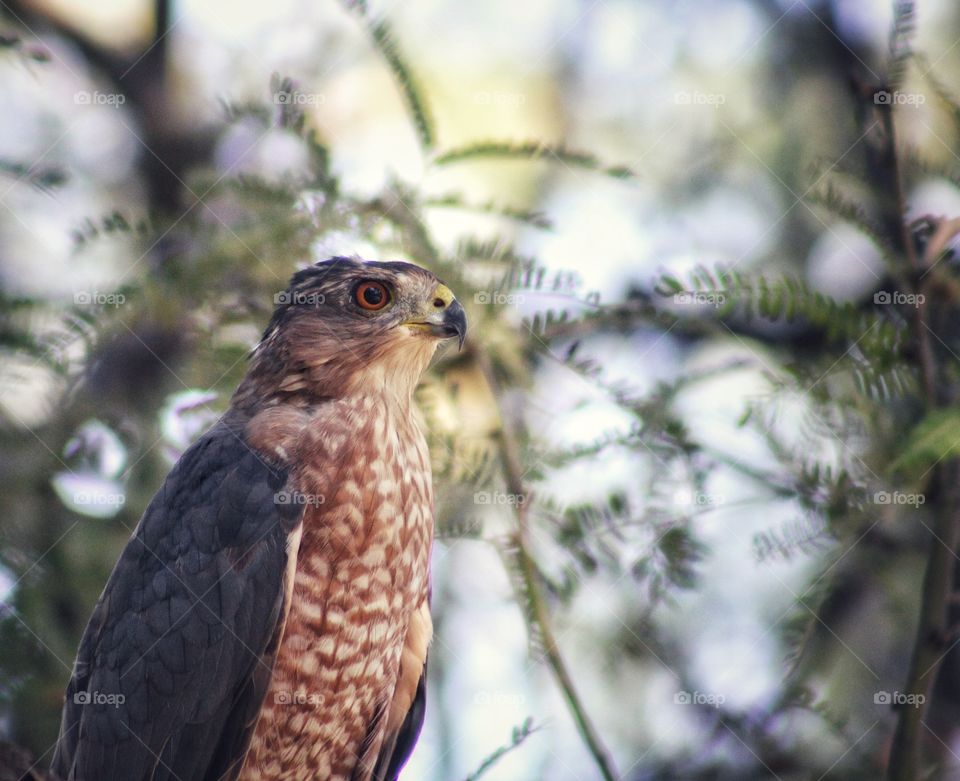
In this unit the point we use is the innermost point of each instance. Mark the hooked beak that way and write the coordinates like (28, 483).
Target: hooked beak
(455, 322)
(444, 321)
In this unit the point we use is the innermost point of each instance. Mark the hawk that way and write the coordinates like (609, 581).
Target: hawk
(269, 617)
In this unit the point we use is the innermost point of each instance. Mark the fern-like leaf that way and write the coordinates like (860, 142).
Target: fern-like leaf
(530, 217)
(531, 150)
(386, 45)
(787, 298)
(839, 205)
(42, 177)
(805, 535)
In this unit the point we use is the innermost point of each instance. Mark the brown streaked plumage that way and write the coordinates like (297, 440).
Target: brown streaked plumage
(270, 617)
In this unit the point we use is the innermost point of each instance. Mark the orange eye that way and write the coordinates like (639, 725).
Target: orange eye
(372, 295)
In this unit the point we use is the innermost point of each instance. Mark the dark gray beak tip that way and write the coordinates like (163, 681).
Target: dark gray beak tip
(455, 321)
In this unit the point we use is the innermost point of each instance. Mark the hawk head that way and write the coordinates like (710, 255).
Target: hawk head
(347, 325)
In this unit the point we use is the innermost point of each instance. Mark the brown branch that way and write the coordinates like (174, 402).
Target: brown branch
(142, 78)
(510, 457)
(933, 625)
(899, 203)
(932, 629)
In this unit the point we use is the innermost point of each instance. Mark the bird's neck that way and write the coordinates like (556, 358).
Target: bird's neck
(282, 374)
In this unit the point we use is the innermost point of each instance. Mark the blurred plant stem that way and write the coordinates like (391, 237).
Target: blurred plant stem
(511, 462)
(930, 643)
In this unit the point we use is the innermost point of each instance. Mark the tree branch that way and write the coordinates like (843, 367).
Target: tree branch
(510, 458)
(932, 629)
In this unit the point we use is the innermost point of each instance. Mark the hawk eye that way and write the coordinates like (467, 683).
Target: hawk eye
(372, 295)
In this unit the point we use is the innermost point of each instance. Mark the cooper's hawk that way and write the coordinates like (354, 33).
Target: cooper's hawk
(269, 618)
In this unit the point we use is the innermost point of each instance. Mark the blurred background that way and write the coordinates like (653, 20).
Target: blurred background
(697, 500)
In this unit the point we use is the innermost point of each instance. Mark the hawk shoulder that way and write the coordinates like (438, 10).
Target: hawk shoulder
(178, 653)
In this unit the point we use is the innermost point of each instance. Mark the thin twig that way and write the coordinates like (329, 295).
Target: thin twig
(927, 363)
(932, 627)
(510, 457)
(520, 734)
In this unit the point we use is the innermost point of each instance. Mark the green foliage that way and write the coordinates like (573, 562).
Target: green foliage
(114, 223)
(517, 737)
(535, 219)
(207, 276)
(12, 42)
(527, 151)
(746, 296)
(806, 535)
(936, 437)
(386, 45)
(840, 205)
(43, 177)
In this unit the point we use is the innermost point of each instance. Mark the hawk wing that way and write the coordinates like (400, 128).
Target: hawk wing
(399, 744)
(404, 718)
(178, 654)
